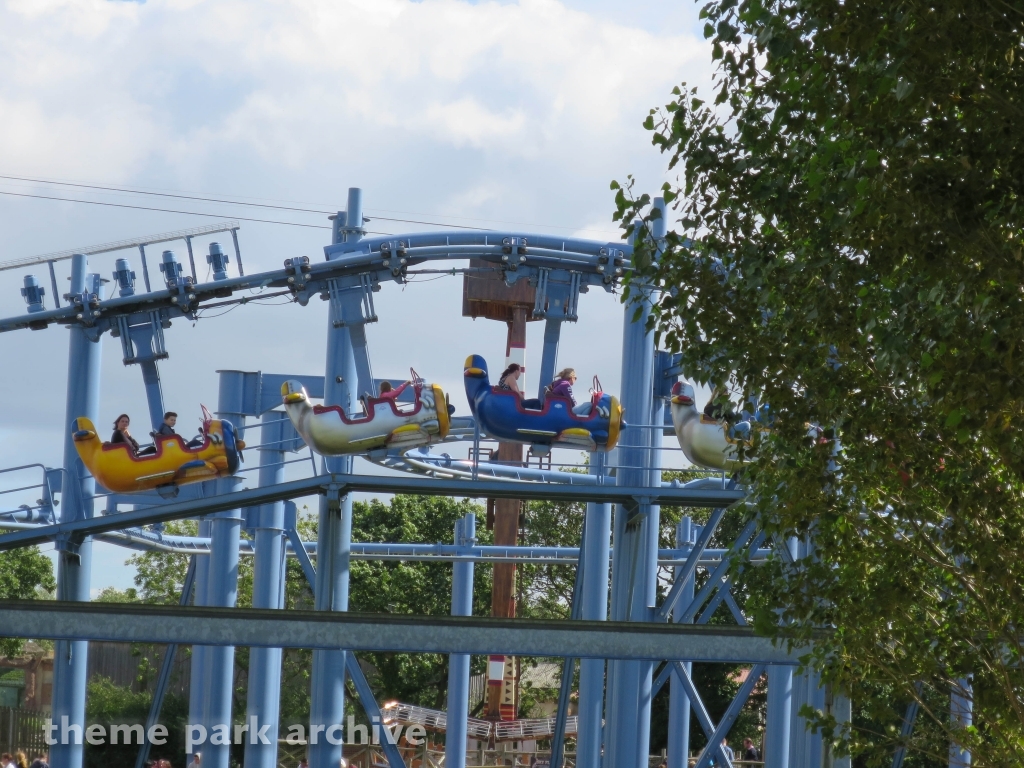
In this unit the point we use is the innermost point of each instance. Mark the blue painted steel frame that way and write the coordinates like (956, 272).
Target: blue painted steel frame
(349, 373)
(634, 567)
(164, 677)
(263, 696)
(779, 725)
(594, 560)
(568, 663)
(458, 663)
(75, 554)
(222, 588)
(678, 702)
(907, 728)
(961, 715)
(363, 690)
(334, 537)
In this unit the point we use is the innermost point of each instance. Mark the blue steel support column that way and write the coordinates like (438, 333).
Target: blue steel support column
(806, 748)
(154, 392)
(549, 358)
(222, 587)
(779, 726)
(263, 700)
(334, 537)
(361, 355)
(961, 710)
(780, 709)
(798, 726)
(70, 659)
(678, 701)
(353, 231)
(816, 698)
(197, 669)
(629, 705)
(652, 528)
(458, 663)
(842, 710)
(594, 608)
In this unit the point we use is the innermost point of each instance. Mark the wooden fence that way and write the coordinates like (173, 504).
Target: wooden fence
(22, 729)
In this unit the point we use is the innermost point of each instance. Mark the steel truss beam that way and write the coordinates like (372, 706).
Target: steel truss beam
(370, 706)
(715, 733)
(355, 672)
(907, 728)
(123, 622)
(165, 669)
(664, 611)
(345, 484)
(699, 609)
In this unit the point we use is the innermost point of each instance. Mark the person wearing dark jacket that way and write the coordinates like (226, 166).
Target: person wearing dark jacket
(122, 435)
(167, 428)
(750, 751)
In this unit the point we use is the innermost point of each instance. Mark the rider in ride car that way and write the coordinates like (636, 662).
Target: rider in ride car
(508, 382)
(167, 428)
(562, 387)
(122, 435)
(716, 411)
(387, 392)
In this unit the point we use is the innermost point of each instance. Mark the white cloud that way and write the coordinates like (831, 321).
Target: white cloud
(293, 80)
(467, 121)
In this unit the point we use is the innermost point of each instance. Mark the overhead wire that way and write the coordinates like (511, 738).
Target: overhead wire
(170, 210)
(226, 201)
(219, 201)
(223, 201)
(128, 190)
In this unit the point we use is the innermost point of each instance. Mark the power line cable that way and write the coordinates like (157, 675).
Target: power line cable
(170, 210)
(127, 190)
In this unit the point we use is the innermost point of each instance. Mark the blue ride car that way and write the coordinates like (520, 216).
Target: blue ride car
(502, 416)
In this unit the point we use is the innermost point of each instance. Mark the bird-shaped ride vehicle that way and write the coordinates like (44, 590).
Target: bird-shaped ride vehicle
(172, 462)
(502, 416)
(329, 431)
(711, 443)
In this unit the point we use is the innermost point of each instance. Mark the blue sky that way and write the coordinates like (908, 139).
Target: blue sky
(503, 115)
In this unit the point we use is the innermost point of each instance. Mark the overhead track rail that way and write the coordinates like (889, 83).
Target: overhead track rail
(344, 484)
(386, 258)
(126, 622)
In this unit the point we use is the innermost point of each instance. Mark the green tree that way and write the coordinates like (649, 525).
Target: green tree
(108, 704)
(24, 573)
(849, 249)
(382, 586)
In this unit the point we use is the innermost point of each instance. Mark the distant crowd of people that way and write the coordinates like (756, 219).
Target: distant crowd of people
(750, 754)
(20, 760)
